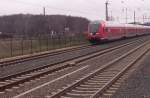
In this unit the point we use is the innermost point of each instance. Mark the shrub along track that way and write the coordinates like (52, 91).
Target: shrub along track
(16, 80)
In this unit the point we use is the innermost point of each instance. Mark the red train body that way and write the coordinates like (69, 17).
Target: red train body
(103, 31)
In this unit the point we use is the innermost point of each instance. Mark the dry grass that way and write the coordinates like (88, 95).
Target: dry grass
(16, 47)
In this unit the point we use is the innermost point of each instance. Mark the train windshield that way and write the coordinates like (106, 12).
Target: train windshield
(94, 27)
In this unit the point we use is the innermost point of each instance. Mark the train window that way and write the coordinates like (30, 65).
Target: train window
(94, 27)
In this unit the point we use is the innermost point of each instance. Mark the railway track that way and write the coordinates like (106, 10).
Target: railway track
(43, 62)
(8, 62)
(26, 66)
(20, 78)
(99, 82)
(37, 56)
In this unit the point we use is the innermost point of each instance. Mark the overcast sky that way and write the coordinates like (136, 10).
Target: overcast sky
(91, 9)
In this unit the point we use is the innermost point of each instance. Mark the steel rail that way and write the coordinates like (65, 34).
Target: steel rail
(108, 65)
(39, 55)
(42, 73)
(108, 85)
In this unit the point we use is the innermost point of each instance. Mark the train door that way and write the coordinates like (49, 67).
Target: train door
(104, 32)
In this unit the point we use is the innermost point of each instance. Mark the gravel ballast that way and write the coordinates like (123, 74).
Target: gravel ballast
(138, 83)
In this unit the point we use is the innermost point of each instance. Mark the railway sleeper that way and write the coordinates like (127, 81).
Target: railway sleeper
(94, 81)
(90, 86)
(9, 81)
(113, 88)
(98, 83)
(97, 79)
(101, 79)
(112, 72)
(62, 97)
(15, 79)
(110, 91)
(3, 83)
(22, 77)
(105, 75)
(26, 76)
(83, 88)
(77, 95)
(94, 85)
(106, 95)
(15, 87)
(76, 91)
(8, 90)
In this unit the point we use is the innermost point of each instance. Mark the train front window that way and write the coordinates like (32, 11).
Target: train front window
(94, 27)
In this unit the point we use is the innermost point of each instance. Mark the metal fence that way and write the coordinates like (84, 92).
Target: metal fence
(20, 46)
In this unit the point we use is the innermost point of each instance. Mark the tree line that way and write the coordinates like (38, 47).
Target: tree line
(35, 25)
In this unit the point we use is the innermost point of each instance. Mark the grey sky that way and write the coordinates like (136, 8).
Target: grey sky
(91, 9)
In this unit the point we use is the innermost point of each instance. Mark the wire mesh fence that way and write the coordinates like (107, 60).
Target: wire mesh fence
(20, 46)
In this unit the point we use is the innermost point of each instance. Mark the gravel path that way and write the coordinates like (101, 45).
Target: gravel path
(138, 84)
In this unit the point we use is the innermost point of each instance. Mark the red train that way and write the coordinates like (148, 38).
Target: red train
(99, 31)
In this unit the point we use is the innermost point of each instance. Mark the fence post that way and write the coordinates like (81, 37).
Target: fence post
(47, 42)
(11, 47)
(31, 46)
(52, 42)
(65, 40)
(78, 39)
(40, 43)
(22, 46)
(81, 41)
(59, 41)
